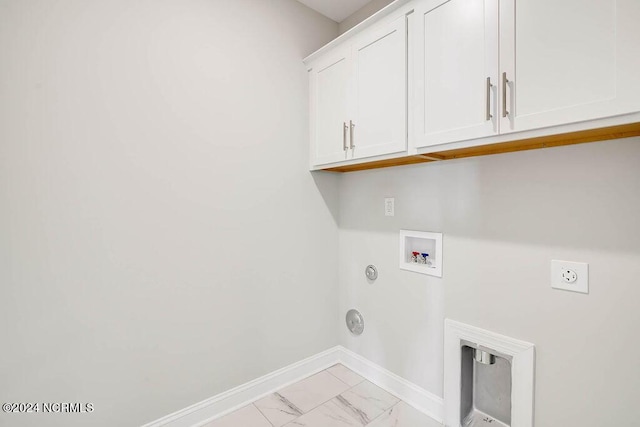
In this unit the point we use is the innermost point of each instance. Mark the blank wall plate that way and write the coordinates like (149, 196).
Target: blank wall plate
(570, 276)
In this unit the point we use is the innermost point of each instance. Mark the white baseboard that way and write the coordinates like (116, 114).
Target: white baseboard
(217, 406)
(416, 396)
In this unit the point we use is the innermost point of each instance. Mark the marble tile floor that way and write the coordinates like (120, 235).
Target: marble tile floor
(335, 397)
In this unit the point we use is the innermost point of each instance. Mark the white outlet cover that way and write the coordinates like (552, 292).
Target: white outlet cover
(561, 269)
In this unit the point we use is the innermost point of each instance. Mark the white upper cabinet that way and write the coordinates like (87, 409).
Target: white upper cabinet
(431, 76)
(488, 67)
(358, 99)
(379, 102)
(567, 61)
(329, 107)
(456, 70)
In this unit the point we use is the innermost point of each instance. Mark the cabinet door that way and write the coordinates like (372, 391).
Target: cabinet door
(568, 60)
(456, 71)
(329, 85)
(379, 95)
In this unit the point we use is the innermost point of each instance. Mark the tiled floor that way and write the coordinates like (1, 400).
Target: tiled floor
(336, 397)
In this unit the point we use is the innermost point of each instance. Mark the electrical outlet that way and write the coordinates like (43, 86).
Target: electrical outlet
(389, 206)
(570, 276)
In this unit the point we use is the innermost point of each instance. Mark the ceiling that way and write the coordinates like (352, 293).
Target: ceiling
(335, 9)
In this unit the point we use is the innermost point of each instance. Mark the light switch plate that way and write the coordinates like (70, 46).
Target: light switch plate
(563, 276)
(389, 206)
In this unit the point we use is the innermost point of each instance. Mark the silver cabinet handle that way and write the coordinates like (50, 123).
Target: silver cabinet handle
(504, 94)
(489, 86)
(345, 128)
(351, 139)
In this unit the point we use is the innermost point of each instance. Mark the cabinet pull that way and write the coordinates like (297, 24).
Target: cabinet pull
(351, 132)
(345, 128)
(489, 86)
(504, 94)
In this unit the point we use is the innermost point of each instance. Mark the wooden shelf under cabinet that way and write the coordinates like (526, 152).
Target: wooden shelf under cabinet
(579, 137)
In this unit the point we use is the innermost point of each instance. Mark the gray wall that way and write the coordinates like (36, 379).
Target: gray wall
(504, 218)
(361, 14)
(161, 239)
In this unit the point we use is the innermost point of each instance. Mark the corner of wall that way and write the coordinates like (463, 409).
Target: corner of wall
(361, 14)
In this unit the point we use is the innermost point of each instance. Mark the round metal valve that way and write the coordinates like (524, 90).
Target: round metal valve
(355, 321)
(371, 272)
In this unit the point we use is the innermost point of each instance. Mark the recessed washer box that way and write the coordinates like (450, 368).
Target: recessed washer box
(421, 252)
